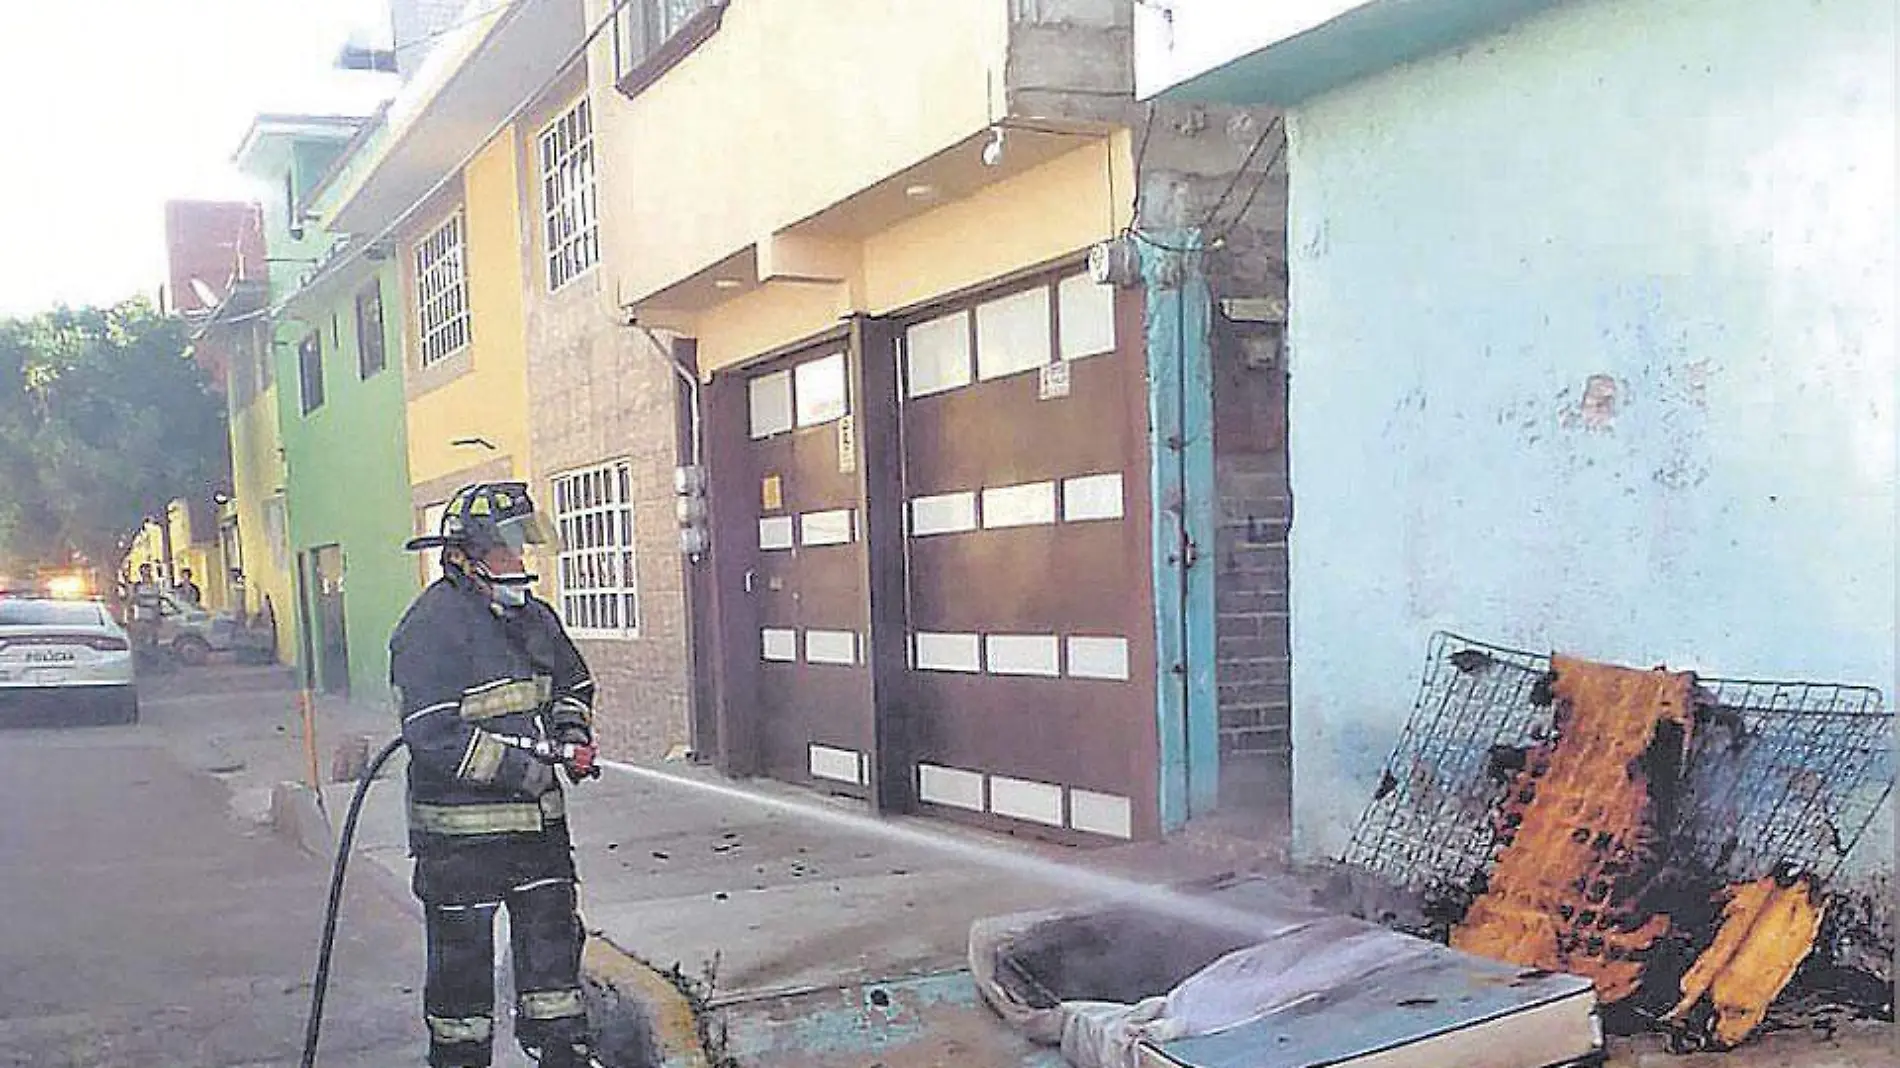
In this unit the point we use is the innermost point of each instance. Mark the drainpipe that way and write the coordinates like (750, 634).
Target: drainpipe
(693, 589)
(1181, 451)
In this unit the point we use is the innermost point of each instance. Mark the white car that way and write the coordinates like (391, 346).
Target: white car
(58, 656)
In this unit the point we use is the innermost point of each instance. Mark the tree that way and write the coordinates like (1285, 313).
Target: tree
(104, 420)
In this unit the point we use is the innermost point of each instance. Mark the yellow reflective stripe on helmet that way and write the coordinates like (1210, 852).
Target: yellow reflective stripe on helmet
(523, 817)
(461, 1028)
(551, 1004)
(505, 698)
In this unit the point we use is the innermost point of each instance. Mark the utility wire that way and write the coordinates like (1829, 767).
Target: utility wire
(1260, 183)
(1220, 203)
(1240, 172)
(460, 24)
(1141, 154)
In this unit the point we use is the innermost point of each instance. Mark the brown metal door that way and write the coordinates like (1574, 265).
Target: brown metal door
(1030, 699)
(788, 526)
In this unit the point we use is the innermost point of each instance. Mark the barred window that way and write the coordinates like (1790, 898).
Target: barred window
(649, 36)
(371, 354)
(310, 371)
(598, 592)
(442, 291)
(567, 195)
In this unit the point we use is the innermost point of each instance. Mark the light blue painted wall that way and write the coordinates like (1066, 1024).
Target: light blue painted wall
(1691, 197)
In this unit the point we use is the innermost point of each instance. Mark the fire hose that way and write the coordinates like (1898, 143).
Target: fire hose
(580, 761)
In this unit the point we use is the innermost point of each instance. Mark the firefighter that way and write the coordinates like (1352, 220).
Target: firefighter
(494, 697)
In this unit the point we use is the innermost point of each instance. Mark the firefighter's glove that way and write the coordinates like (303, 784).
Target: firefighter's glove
(583, 765)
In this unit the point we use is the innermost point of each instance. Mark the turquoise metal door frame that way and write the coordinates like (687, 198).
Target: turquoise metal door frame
(1181, 458)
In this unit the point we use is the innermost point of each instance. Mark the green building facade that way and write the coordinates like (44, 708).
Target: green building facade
(337, 345)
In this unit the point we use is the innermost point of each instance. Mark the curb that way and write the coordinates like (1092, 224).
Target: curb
(643, 1019)
(296, 817)
(670, 1021)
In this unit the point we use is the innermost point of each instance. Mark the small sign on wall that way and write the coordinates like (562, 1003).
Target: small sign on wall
(771, 493)
(1054, 383)
(848, 445)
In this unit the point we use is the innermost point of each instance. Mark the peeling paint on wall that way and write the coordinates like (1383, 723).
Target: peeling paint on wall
(1597, 411)
(1468, 250)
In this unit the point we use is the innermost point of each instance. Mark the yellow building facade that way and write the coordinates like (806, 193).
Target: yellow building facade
(1046, 213)
(263, 526)
(795, 192)
(810, 199)
(466, 385)
(194, 545)
(455, 232)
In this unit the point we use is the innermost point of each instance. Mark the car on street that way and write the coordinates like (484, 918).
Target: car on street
(191, 634)
(64, 661)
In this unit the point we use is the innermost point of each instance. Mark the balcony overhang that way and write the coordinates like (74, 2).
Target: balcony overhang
(826, 248)
(266, 141)
(1309, 49)
(468, 86)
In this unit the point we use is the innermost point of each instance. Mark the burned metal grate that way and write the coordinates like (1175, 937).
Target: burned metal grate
(1784, 772)
(1779, 772)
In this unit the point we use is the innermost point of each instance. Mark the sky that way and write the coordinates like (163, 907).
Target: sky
(113, 107)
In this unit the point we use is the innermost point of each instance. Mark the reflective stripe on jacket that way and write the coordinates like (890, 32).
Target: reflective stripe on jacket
(466, 677)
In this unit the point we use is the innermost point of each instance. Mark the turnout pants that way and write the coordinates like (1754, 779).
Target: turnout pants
(459, 994)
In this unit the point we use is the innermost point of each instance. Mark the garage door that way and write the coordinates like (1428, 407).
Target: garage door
(1028, 606)
(804, 635)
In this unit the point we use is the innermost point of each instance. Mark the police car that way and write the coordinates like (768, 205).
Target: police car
(61, 661)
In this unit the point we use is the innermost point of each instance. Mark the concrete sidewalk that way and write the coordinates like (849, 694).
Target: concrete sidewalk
(805, 933)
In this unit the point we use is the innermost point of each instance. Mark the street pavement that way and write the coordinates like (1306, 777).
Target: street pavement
(151, 921)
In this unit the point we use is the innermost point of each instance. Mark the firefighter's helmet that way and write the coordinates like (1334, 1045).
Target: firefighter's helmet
(485, 516)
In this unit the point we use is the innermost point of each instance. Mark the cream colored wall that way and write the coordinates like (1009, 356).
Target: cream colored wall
(1061, 207)
(765, 319)
(1055, 210)
(490, 399)
(779, 115)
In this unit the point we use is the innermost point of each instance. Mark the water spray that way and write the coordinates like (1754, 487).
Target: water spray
(1174, 903)
(1069, 877)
